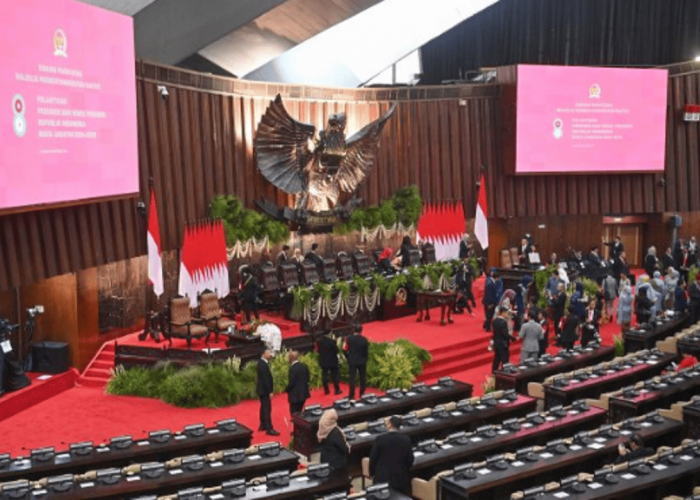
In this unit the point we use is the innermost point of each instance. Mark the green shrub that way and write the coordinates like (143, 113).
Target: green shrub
(241, 224)
(619, 342)
(393, 368)
(404, 206)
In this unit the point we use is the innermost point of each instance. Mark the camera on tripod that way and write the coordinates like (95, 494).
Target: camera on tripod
(6, 328)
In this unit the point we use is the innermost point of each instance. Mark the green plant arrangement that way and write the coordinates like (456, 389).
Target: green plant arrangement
(241, 224)
(619, 343)
(404, 206)
(489, 384)
(214, 385)
(691, 274)
(475, 265)
(541, 278)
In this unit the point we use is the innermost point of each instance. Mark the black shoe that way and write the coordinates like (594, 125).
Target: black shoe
(338, 392)
(261, 428)
(327, 392)
(273, 432)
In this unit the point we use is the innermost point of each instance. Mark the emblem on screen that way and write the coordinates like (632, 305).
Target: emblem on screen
(558, 128)
(594, 91)
(19, 123)
(60, 44)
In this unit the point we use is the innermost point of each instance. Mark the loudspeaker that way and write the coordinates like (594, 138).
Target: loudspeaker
(676, 221)
(50, 357)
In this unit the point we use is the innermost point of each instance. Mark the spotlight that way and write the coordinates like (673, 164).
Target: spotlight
(35, 311)
(697, 58)
(163, 91)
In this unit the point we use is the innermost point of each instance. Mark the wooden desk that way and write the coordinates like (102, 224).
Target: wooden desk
(691, 417)
(671, 389)
(477, 448)
(519, 379)
(521, 474)
(139, 452)
(436, 427)
(306, 425)
(299, 488)
(637, 340)
(594, 386)
(173, 480)
(426, 300)
(660, 483)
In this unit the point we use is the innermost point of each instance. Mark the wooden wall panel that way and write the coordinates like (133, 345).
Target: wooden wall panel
(199, 143)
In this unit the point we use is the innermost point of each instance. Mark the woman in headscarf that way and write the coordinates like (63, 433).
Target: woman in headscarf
(332, 443)
(644, 300)
(521, 300)
(651, 262)
(670, 282)
(624, 308)
(659, 287)
(384, 264)
(404, 251)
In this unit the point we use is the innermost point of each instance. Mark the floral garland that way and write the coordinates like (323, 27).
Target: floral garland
(247, 248)
(382, 232)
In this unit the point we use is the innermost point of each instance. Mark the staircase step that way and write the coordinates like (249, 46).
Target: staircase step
(98, 372)
(105, 364)
(460, 345)
(92, 382)
(459, 354)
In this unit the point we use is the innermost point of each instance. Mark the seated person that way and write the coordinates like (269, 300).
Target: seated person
(636, 450)
(314, 257)
(687, 360)
(404, 251)
(282, 257)
(384, 261)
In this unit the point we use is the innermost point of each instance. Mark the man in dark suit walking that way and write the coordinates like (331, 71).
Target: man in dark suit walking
(264, 390)
(357, 352)
(328, 361)
(298, 387)
(391, 458)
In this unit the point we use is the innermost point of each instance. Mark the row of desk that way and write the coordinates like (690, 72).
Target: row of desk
(501, 475)
(665, 473)
(122, 450)
(646, 337)
(370, 407)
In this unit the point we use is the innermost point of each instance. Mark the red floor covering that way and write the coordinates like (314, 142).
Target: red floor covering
(82, 413)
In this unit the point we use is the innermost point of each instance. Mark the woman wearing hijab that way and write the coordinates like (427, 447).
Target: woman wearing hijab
(651, 262)
(624, 308)
(384, 264)
(644, 300)
(578, 301)
(670, 282)
(332, 443)
(659, 288)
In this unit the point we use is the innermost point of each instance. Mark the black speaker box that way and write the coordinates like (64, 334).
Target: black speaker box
(50, 357)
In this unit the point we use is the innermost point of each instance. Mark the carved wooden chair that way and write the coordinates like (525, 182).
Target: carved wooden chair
(181, 323)
(211, 314)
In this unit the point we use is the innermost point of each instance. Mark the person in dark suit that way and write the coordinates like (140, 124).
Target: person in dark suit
(651, 262)
(314, 257)
(249, 294)
(616, 247)
(501, 338)
(591, 324)
(298, 386)
(594, 258)
(490, 298)
(264, 390)
(464, 247)
(636, 450)
(357, 352)
(620, 266)
(558, 310)
(282, 257)
(328, 361)
(391, 458)
(333, 445)
(569, 333)
(667, 260)
(524, 250)
(694, 300)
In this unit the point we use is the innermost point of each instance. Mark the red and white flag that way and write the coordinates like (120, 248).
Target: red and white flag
(155, 262)
(481, 225)
(203, 261)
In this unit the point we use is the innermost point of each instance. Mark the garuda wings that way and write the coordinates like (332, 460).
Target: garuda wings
(316, 170)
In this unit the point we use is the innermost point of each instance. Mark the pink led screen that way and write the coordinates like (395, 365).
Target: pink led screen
(67, 103)
(590, 120)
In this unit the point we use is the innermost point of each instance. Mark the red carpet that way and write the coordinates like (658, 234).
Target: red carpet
(84, 413)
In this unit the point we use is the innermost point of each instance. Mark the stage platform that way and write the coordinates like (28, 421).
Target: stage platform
(43, 387)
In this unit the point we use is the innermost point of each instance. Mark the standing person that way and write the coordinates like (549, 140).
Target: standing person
(328, 361)
(644, 300)
(490, 299)
(391, 458)
(521, 299)
(616, 247)
(624, 308)
(249, 294)
(464, 247)
(357, 352)
(264, 390)
(651, 262)
(282, 257)
(501, 339)
(620, 266)
(578, 299)
(610, 291)
(315, 258)
(531, 334)
(464, 279)
(559, 308)
(591, 324)
(667, 260)
(333, 445)
(680, 304)
(569, 333)
(298, 386)
(694, 300)
(670, 284)
(542, 321)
